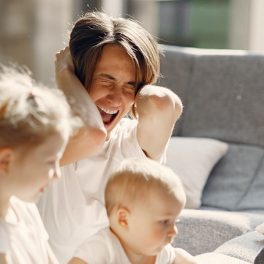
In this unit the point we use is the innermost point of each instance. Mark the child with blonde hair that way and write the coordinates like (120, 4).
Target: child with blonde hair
(143, 201)
(35, 125)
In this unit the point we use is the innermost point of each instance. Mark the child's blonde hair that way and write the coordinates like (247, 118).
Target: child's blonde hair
(135, 178)
(29, 112)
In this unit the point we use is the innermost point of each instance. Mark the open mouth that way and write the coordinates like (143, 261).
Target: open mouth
(107, 115)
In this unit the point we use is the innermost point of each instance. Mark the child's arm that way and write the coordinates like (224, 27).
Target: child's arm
(158, 109)
(77, 261)
(93, 132)
(183, 257)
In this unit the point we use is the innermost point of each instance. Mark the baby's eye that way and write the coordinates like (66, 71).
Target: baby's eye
(165, 222)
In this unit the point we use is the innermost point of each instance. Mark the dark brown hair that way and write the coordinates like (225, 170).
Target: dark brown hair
(94, 30)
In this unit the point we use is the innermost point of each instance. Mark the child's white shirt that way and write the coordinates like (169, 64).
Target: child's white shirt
(105, 248)
(72, 208)
(23, 239)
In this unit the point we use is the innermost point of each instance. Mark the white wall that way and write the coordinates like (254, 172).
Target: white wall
(239, 24)
(246, 24)
(147, 14)
(256, 37)
(145, 10)
(113, 7)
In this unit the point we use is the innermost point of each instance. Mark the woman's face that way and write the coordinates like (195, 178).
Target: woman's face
(113, 86)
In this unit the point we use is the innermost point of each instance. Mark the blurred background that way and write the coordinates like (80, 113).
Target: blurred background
(31, 31)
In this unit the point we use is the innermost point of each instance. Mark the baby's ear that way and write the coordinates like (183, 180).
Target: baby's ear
(122, 217)
(5, 158)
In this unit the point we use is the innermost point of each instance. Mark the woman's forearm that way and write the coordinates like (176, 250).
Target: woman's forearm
(92, 134)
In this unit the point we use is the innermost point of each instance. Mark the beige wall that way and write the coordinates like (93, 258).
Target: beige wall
(246, 25)
(53, 20)
(16, 31)
(32, 31)
(256, 27)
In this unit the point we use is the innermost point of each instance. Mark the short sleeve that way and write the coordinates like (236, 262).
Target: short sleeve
(35, 216)
(128, 142)
(93, 251)
(167, 255)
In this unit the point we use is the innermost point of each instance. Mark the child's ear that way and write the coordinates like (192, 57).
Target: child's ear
(122, 216)
(5, 158)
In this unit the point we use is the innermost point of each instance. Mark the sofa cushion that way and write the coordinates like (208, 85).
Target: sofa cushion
(260, 257)
(237, 181)
(176, 69)
(192, 159)
(217, 258)
(253, 198)
(201, 231)
(223, 98)
(245, 247)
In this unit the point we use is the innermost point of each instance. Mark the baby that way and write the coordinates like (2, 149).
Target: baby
(143, 201)
(35, 125)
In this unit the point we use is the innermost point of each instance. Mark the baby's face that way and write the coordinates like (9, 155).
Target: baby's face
(152, 223)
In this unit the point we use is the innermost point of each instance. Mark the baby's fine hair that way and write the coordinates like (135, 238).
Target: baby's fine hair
(135, 178)
(29, 111)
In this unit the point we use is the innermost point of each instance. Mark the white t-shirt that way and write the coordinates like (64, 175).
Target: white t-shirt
(105, 248)
(72, 208)
(23, 238)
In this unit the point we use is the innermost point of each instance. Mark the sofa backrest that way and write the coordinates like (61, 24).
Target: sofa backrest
(223, 97)
(222, 92)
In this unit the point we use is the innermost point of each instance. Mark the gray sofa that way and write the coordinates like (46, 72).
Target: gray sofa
(223, 97)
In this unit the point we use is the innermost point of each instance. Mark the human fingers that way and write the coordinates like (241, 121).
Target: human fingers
(63, 59)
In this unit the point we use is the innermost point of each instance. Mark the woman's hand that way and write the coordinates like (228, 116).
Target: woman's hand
(63, 60)
(93, 133)
(158, 109)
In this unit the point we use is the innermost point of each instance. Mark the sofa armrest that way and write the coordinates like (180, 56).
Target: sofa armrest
(245, 247)
(203, 231)
(218, 258)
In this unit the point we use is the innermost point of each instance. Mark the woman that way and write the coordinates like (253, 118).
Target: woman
(115, 60)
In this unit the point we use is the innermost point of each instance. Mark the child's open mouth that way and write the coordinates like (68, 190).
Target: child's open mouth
(107, 115)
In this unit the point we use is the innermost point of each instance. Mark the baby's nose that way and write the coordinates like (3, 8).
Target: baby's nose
(173, 231)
